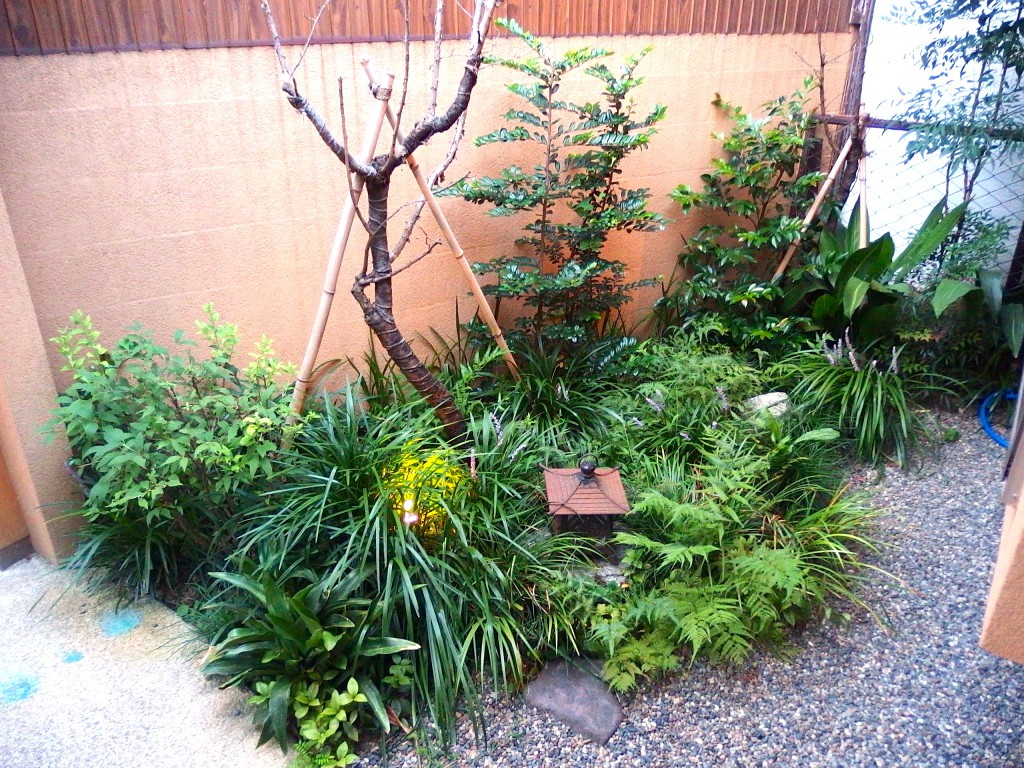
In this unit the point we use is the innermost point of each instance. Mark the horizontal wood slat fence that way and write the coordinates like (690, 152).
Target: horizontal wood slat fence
(30, 27)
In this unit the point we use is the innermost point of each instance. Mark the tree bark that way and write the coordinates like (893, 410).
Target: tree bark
(378, 313)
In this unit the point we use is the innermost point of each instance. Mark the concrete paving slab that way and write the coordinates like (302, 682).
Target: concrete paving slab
(83, 685)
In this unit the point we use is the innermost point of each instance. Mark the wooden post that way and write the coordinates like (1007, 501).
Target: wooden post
(348, 214)
(815, 206)
(449, 236)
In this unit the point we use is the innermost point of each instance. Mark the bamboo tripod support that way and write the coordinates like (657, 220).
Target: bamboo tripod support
(348, 214)
(815, 206)
(862, 193)
(449, 236)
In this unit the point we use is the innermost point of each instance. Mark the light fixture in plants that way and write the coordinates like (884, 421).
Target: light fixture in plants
(574, 192)
(481, 600)
(420, 480)
(727, 553)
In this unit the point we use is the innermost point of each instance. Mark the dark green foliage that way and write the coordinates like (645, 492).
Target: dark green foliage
(684, 392)
(574, 191)
(566, 392)
(295, 645)
(756, 201)
(168, 443)
(845, 287)
(728, 552)
(475, 589)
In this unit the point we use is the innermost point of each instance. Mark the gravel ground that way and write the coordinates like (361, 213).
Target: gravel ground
(918, 694)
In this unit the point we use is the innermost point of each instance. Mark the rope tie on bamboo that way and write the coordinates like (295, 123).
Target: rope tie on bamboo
(380, 93)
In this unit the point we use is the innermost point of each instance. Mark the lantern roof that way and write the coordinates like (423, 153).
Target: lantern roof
(585, 490)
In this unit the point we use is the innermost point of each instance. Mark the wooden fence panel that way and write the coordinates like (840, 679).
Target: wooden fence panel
(6, 33)
(80, 26)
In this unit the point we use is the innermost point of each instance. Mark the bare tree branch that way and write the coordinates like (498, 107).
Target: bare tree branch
(301, 104)
(348, 171)
(435, 73)
(309, 38)
(365, 279)
(427, 127)
(405, 78)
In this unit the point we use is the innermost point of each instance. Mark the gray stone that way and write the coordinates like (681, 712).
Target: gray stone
(574, 695)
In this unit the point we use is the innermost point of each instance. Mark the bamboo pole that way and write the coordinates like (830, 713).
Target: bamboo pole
(348, 214)
(449, 236)
(815, 206)
(862, 186)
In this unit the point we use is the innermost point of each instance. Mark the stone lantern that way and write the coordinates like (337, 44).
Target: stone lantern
(585, 500)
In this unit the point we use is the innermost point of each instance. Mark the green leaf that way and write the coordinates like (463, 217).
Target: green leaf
(381, 646)
(822, 435)
(949, 291)
(280, 695)
(853, 295)
(867, 263)
(935, 229)
(991, 281)
(1012, 319)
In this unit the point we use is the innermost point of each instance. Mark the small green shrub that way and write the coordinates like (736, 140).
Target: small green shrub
(681, 393)
(295, 645)
(727, 553)
(574, 193)
(754, 198)
(167, 442)
(869, 401)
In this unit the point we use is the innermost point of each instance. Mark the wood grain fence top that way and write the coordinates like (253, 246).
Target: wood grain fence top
(30, 27)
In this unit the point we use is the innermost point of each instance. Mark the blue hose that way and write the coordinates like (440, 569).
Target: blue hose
(986, 408)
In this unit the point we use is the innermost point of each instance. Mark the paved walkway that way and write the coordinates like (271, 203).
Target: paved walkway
(83, 686)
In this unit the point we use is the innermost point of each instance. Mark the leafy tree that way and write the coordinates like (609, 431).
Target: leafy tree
(574, 191)
(755, 197)
(973, 107)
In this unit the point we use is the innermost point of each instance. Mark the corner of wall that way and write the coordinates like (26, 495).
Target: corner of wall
(27, 394)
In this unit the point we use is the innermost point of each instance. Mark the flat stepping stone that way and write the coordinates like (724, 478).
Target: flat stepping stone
(573, 695)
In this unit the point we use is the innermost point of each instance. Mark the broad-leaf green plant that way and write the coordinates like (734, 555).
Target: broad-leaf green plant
(755, 197)
(845, 286)
(166, 441)
(304, 648)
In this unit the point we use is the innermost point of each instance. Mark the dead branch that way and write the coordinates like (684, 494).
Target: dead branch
(405, 77)
(435, 75)
(309, 38)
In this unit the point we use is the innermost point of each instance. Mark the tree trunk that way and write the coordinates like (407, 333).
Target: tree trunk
(379, 315)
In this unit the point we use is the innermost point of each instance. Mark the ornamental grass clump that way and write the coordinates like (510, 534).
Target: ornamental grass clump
(871, 401)
(443, 542)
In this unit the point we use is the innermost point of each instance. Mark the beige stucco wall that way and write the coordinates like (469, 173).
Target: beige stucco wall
(139, 186)
(1002, 630)
(34, 466)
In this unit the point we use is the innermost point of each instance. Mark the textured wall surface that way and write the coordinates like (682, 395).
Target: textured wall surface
(34, 466)
(140, 186)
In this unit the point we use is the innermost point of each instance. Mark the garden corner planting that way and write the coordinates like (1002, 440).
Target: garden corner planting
(379, 562)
